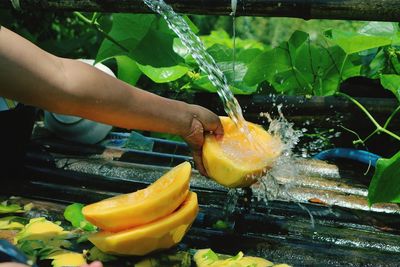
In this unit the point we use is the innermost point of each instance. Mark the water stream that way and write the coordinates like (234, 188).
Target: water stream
(233, 14)
(205, 61)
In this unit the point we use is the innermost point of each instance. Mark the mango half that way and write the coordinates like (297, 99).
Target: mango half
(161, 234)
(237, 159)
(144, 206)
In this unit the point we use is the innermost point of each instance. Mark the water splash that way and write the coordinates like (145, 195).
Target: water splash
(267, 186)
(205, 61)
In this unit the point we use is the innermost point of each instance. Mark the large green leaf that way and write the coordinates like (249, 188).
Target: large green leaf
(148, 48)
(127, 30)
(385, 184)
(128, 70)
(156, 48)
(222, 37)
(299, 67)
(352, 42)
(392, 83)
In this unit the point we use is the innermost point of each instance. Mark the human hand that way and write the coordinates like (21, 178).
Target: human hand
(93, 264)
(202, 121)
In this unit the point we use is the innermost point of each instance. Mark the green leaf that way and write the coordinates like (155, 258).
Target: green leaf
(128, 30)
(139, 142)
(380, 28)
(210, 256)
(248, 55)
(299, 67)
(128, 71)
(392, 83)
(385, 184)
(73, 214)
(354, 43)
(163, 74)
(12, 223)
(237, 86)
(94, 254)
(377, 65)
(220, 53)
(13, 208)
(222, 37)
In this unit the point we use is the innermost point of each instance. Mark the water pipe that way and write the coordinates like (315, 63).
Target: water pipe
(348, 153)
(371, 10)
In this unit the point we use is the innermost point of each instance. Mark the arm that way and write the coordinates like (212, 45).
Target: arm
(35, 77)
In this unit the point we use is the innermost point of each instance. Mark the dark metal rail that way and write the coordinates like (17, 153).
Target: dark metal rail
(379, 10)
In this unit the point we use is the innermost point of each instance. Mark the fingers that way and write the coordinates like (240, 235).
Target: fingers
(209, 120)
(93, 264)
(195, 140)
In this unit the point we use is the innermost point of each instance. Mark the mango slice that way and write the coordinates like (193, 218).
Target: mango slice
(67, 258)
(161, 234)
(237, 160)
(41, 229)
(207, 257)
(141, 207)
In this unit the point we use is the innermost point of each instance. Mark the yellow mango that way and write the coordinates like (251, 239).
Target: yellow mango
(67, 258)
(207, 258)
(143, 206)
(161, 234)
(41, 229)
(237, 160)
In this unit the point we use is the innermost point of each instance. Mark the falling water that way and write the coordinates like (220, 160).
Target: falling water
(233, 14)
(206, 63)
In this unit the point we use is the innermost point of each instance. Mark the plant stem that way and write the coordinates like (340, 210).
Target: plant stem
(379, 128)
(358, 104)
(92, 22)
(391, 117)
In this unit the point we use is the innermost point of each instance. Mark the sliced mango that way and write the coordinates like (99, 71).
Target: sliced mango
(67, 258)
(41, 229)
(208, 258)
(161, 234)
(237, 160)
(141, 207)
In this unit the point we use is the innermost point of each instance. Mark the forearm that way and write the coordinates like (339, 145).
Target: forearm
(32, 76)
(98, 96)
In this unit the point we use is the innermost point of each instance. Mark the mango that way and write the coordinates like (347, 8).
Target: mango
(144, 206)
(207, 257)
(160, 234)
(67, 258)
(237, 160)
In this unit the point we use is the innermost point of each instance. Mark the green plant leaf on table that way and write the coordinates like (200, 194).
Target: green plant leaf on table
(94, 254)
(73, 214)
(12, 223)
(12, 208)
(385, 184)
(40, 238)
